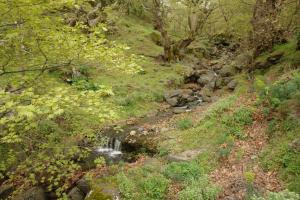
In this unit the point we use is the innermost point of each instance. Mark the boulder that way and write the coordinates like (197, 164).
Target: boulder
(171, 94)
(179, 97)
(272, 59)
(219, 83)
(172, 101)
(84, 186)
(179, 110)
(192, 86)
(226, 80)
(76, 194)
(227, 71)
(207, 78)
(194, 75)
(242, 60)
(232, 84)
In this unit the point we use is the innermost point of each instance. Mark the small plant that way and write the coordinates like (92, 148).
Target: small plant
(183, 171)
(284, 195)
(126, 187)
(153, 187)
(184, 124)
(163, 152)
(199, 189)
(226, 146)
(99, 162)
(250, 177)
(235, 123)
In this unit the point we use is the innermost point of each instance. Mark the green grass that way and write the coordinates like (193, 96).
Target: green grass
(281, 154)
(184, 124)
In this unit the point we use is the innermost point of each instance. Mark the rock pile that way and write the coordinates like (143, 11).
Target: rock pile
(200, 85)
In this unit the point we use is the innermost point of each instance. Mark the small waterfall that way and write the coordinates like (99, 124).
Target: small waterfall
(112, 149)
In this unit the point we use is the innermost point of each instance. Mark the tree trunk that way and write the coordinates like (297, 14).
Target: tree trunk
(264, 22)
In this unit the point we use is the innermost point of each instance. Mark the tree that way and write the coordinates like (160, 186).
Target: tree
(265, 25)
(35, 148)
(197, 14)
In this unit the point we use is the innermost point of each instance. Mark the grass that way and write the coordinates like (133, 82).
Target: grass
(184, 124)
(282, 152)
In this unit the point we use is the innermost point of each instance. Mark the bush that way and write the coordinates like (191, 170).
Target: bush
(199, 189)
(182, 171)
(234, 124)
(126, 187)
(142, 184)
(226, 145)
(184, 124)
(153, 187)
(278, 93)
(284, 195)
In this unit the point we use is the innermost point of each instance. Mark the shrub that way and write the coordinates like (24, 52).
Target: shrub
(284, 195)
(182, 171)
(226, 145)
(282, 91)
(199, 189)
(153, 187)
(142, 184)
(234, 124)
(184, 124)
(126, 187)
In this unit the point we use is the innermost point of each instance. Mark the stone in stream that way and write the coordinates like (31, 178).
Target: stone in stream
(179, 110)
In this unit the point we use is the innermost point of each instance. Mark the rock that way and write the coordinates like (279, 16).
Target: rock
(232, 84)
(179, 110)
(242, 60)
(206, 99)
(218, 83)
(227, 71)
(172, 101)
(185, 156)
(209, 77)
(194, 75)
(274, 58)
(35, 193)
(84, 186)
(226, 80)
(76, 194)
(132, 133)
(179, 97)
(172, 94)
(262, 64)
(192, 86)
